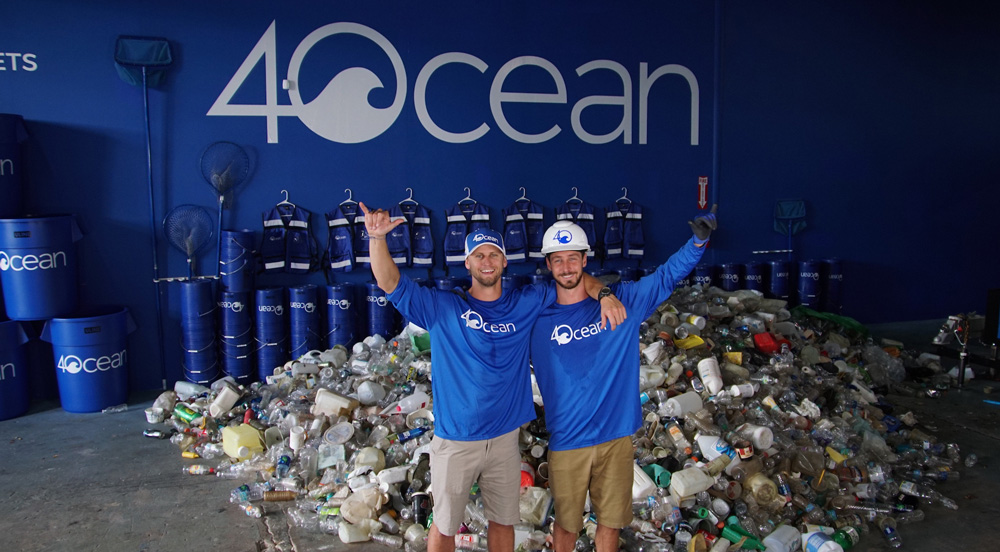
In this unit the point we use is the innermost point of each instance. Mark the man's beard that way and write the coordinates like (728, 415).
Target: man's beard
(487, 282)
(571, 284)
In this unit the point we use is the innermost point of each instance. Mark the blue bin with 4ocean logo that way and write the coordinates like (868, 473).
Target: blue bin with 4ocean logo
(38, 266)
(91, 356)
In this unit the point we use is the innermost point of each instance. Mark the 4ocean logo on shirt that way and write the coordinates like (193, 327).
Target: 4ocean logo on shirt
(563, 333)
(475, 321)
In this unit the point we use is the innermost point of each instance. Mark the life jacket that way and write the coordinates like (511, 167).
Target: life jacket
(410, 243)
(623, 236)
(582, 214)
(463, 218)
(287, 245)
(523, 228)
(340, 242)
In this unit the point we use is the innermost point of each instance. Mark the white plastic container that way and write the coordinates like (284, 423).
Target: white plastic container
(761, 436)
(642, 484)
(708, 370)
(675, 407)
(819, 542)
(224, 401)
(690, 481)
(713, 446)
(784, 538)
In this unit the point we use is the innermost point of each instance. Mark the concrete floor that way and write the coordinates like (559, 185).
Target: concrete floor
(92, 482)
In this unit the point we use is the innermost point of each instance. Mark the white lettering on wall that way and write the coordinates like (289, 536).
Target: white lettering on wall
(341, 112)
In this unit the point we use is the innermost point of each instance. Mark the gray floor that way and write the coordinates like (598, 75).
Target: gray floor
(92, 482)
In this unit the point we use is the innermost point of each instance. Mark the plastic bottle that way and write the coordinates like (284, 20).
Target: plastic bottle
(198, 469)
(250, 492)
(887, 525)
(819, 542)
(678, 438)
(413, 402)
(708, 370)
(675, 407)
(392, 541)
(921, 491)
(847, 537)
(252, 510)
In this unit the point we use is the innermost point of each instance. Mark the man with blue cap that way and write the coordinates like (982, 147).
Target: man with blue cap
(481, 379)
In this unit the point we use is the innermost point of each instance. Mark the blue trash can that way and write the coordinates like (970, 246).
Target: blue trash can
(779, 280)
(303, 319)
(38, 266)
(14, 397)
(236, 260)
(810, 284)
(341, 316)
(91, 356)
(732, 276)
(704, 275)
(381, 313)
(753, 277)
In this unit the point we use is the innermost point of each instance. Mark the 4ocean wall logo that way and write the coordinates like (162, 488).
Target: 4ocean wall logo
(342, 113)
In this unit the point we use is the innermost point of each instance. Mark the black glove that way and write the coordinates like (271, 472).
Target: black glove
(702, 226)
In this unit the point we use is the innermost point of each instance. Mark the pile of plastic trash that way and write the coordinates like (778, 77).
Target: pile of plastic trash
(764, 429)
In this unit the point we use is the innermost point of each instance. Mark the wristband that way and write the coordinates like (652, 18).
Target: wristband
(698, 242)
(376, 238)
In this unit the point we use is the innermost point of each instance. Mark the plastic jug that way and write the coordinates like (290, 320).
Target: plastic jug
(784, 538)
(690, 481)
(675, 407)
(242, 441)
(642, 484)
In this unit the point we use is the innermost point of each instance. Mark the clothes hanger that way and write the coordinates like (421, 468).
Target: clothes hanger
(285, 201)
(624, 196)
(524, 196)
(350, 197)
(409, 199)
(574, 199)
(468, 196)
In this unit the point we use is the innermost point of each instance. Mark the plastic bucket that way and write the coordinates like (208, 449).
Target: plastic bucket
(779, 280)
(381, 313)
(810, 283)
(236, 260)
(269, 356)
(270, 322)
(14, 397)
(685, 281)
(754, 277)
(12, 134)
(197, 300)
(704, 275)
(234, 314)
(732, 276)
(91, 355)
(834, 281)
(303, 306)
(38, 266)
(341, 316)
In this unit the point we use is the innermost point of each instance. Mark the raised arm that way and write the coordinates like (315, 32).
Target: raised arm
(378, 224)
(612, 310)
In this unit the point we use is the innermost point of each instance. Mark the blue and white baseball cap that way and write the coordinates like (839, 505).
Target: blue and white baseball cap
(485, 236)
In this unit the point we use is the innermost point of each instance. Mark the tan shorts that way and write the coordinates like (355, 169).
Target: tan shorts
(606, 471)
(456, 465)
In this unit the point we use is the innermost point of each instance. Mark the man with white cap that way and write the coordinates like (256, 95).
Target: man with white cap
(481, 379)
(589, 382)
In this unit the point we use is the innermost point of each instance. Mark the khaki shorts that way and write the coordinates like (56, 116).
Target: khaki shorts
(456, 465)
(606, 471)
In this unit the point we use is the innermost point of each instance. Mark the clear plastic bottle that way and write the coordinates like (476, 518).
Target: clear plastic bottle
(392, 541)
(198, 469)
(252, 510)
(887, 525)
(922, 491)
(250, 492)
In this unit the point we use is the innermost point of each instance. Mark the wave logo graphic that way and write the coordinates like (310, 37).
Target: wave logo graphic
(473, 319)
(341, 111)
(562, 334)
(563, 236)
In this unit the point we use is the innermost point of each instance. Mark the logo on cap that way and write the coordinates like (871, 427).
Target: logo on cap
(563, 236)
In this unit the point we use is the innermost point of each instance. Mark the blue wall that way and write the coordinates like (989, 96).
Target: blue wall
(882, 116)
